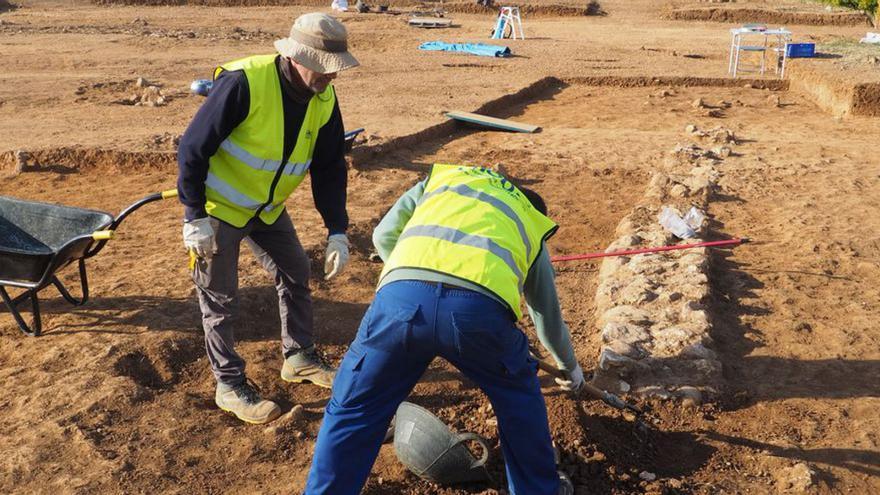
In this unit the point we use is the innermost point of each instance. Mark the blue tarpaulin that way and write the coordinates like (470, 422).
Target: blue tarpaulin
(481, 49)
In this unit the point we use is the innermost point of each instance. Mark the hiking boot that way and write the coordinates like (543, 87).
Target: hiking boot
(565, 485)
(245, 403)
(306, 366)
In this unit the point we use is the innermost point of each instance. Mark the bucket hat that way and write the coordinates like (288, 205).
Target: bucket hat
(318, 42)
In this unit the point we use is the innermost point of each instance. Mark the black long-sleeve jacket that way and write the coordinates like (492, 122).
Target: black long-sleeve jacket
(225, 108)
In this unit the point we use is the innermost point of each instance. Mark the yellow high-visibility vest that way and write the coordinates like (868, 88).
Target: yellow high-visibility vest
(473, 224)
(250, 161)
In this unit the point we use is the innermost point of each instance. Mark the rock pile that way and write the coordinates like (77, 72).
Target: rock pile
(654, 325)
(147, 95)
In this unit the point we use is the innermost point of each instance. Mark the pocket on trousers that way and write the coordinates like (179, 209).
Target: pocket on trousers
(519, 364)
(388, 326)
(479, 337)
(346, 380)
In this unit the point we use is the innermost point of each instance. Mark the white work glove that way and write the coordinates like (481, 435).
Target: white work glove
(575, 381)
(198, 236)
(337, 255)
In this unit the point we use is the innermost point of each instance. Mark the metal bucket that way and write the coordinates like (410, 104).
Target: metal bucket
(428, 448)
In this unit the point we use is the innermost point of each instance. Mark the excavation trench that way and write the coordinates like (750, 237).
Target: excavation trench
(602, 140)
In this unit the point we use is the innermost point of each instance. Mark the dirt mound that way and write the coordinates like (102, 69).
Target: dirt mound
(866, 100)
(741, 15)
(140, 27)
(70, 160)
(837, 95)
(683, 82)
(589, 8)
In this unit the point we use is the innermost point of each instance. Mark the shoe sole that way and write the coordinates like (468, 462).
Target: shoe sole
(305, 380)
(230, 411)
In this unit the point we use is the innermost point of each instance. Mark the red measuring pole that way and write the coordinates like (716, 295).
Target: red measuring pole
(628, 252)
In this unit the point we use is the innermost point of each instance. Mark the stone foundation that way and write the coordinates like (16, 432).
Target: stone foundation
(651, 308)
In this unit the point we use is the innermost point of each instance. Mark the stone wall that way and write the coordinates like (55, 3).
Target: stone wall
(651, 308)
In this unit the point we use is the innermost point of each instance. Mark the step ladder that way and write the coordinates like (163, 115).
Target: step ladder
(509, 17)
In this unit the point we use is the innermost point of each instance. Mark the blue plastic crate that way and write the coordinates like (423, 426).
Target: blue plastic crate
(800, 50)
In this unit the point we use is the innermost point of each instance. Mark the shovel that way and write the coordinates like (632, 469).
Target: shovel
(595, 392)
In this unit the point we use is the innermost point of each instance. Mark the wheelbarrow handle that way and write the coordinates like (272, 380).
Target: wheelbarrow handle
(102, 236)
(171, 193)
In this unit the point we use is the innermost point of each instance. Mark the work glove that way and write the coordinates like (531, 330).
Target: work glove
(575, 380)
(337, 255)
(198, 236)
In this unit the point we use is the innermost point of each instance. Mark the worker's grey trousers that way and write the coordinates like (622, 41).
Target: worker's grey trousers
(278, 249)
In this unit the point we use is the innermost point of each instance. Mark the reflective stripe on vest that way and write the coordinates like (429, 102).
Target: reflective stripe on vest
(263, 164)
(458, 237)
(467, 191)
(232, 194)
(248, 175)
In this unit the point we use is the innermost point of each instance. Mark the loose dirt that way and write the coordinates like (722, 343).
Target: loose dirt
(117, 396)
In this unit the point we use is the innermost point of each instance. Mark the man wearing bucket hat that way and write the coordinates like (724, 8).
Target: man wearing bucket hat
(268, 121)
(461, 248)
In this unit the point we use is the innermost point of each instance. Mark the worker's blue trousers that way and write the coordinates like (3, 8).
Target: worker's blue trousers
(406, 327)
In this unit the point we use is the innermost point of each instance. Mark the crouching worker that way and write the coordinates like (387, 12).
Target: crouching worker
(459, 249)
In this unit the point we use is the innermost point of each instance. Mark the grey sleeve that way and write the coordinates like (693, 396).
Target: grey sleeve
(392, 224)
(543, 305)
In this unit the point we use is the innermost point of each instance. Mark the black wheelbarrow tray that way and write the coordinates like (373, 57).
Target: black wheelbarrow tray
(39, 239)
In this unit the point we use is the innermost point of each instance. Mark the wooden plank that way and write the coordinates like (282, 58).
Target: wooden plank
(430, 22)
(507, 125)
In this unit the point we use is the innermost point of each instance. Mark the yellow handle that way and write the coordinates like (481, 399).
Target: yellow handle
(171, 193)
(103, 235)
(192, 260)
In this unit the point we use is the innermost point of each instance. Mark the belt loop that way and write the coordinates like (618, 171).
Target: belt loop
(439, 289)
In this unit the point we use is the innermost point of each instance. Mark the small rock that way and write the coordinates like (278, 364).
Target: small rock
(609, 359)
(690, 396)
(295, 413)
(141, 82)
(774, 100)
(679, 191)
(21, 161)
(715, 113)
(647, 476)
(698, 103)
(748, 86)
(624, 332)
(652, 391)
(690, 129)
(797, 478)
(722, 151)
(803, 327)
(624, 349)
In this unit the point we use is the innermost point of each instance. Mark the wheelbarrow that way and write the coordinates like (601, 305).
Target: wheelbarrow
(39, 239)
